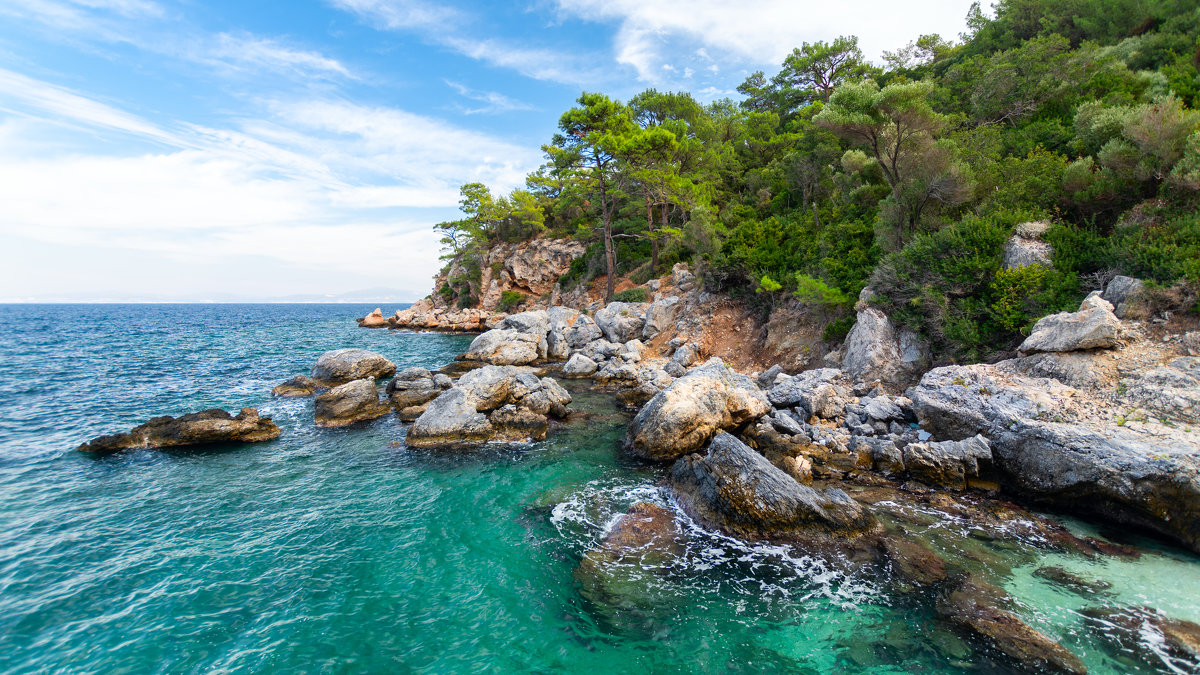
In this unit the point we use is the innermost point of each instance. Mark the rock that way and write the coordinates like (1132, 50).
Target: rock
(949, 464)
(766, 380)
(579, 366)
(823, 392)
(681, 276)
(493, 386)
(582, 332)
(504, 347)
(601, 349)
(355, 401)
(345, 365)
(207, 427)
(687, 414)
(451, 418)
(412, 374)
(1163, 643)
(1190, 342)
(621, 322)
(882, 409)
(408, 393)
(297, 387)
(1094, 326)
(374, 320)
(974, 607)
(1072, 582)
(1050, 442)
(913, 564)
(513, 424)
(535, 322)
(871, 352)
(660, 316)
(1121, 290)
(1026, 247)
(737, 490)
(673, 369)
(685, 355)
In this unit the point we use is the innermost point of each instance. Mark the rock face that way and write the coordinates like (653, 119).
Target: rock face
(492, 403)
(1094, 326)
(734, 488)
(201, 428)
(1120, 290)
(345, 404)
(621, 321)
(688, 413)
(660, 316)
(1066, 446)
(1026, 246)
(874, 351)
(505, 347)
(345, 365)
(297, 387)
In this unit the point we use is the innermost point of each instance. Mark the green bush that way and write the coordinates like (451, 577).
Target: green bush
(510, 300)
(838, 329)
(630, 295)
(1014, 291)
(816, 292)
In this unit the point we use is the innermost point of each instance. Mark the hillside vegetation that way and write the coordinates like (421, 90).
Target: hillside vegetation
(833, 174)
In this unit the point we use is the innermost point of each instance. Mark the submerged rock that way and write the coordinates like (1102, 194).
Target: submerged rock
(345, 404)
(297, 387)
(345, 365)
(1072, 582)
(1158, 640)
(737, 490)
(688, 413)
(974, 606)
(200, 428)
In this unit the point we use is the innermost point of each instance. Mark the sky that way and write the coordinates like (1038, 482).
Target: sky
(192, 150)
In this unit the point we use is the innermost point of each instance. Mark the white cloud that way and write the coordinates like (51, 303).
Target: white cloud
(398, 14)
(248, 51)
(759, 32)
(494, 101)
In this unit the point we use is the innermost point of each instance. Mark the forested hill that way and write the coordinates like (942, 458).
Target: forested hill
(835, 173)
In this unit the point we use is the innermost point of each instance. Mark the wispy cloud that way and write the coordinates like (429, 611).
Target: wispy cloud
(494, 102)
(246, 51)
(401, 14)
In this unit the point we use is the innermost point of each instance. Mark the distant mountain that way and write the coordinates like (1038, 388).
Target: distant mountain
(388, 296)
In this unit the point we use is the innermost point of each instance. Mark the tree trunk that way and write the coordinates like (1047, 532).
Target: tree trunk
(652, 234)
(610, 258)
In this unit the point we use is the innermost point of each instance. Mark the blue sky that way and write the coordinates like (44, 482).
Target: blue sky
(189, 150)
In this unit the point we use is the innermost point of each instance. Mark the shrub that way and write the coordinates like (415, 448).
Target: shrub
(1013, 292)
(816, 292)
(838, 329)
(510, 300)
(630, 295)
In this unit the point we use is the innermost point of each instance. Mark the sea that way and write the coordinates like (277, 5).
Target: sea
(345, 551)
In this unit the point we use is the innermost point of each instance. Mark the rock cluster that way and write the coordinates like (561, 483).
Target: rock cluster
(492, 403)
(200, 428)
(345, 404)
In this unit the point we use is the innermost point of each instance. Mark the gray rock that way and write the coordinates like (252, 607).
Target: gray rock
(687, 414)
(601, 349)
(535, 322)
(681, 276)
(348, 403)
(1026, 247)
(492, 386)
(411, 374)
(786, 424)
(1121, 290)
(736, 489)
(200, 428)
(766, 380)
(504, 347)
(408, 393)
(297, 387)
(685, 355)
(882, 409)
(949, 464)
(451, 418)
(442, 381)
(673, 369)
(823, 392)
(1094, 326)
(621, 322)
(582, 332)
(871, 352)
(344, 365)
(660, 316)
(579, 366)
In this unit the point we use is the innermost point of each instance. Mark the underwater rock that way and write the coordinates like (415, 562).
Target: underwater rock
(737, 490)
(1072, 582)
(297, 387)
(200, 428)
(345, 404)
(684, 416)
(1156, 639)
(345, 365)
(974, 606)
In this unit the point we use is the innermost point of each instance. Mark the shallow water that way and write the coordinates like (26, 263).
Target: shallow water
(345, 551)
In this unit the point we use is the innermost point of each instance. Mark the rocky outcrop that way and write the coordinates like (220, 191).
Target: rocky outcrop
(737, 490)
(346, 404)
(1071, 447)
(660, 317)
(622, 321)
(1026, 246)
(952, 464)
(411, 390)
(876, 353)
(345, 365)
(297, 387)
(685, 415)
(1094, 326)
(208, 427)
(492, 403)
(506, 347)
(375, 319)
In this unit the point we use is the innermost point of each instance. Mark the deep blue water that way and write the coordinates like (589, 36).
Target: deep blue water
(345, 551)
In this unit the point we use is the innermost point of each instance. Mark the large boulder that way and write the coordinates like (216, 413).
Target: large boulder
(951, 464)
(1120, 291)
(297, 387)
(579, 366)
(871, 352)
(1026, 246)
(492, 403)
(660, 316)
(207, 427)
(561, 320)
(737, 490)
(688, 413)
(345, 404)
(505, 347)
(1055, 444)
(1094, 326)
(450, 419)
(345, 365)
(535, 322)
(582, 332)
(823, 392)
(621, 321)
(407, 393)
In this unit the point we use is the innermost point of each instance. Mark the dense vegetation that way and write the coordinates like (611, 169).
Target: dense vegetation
(834, 174)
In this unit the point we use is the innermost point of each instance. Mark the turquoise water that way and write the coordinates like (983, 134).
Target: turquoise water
(345, 551)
